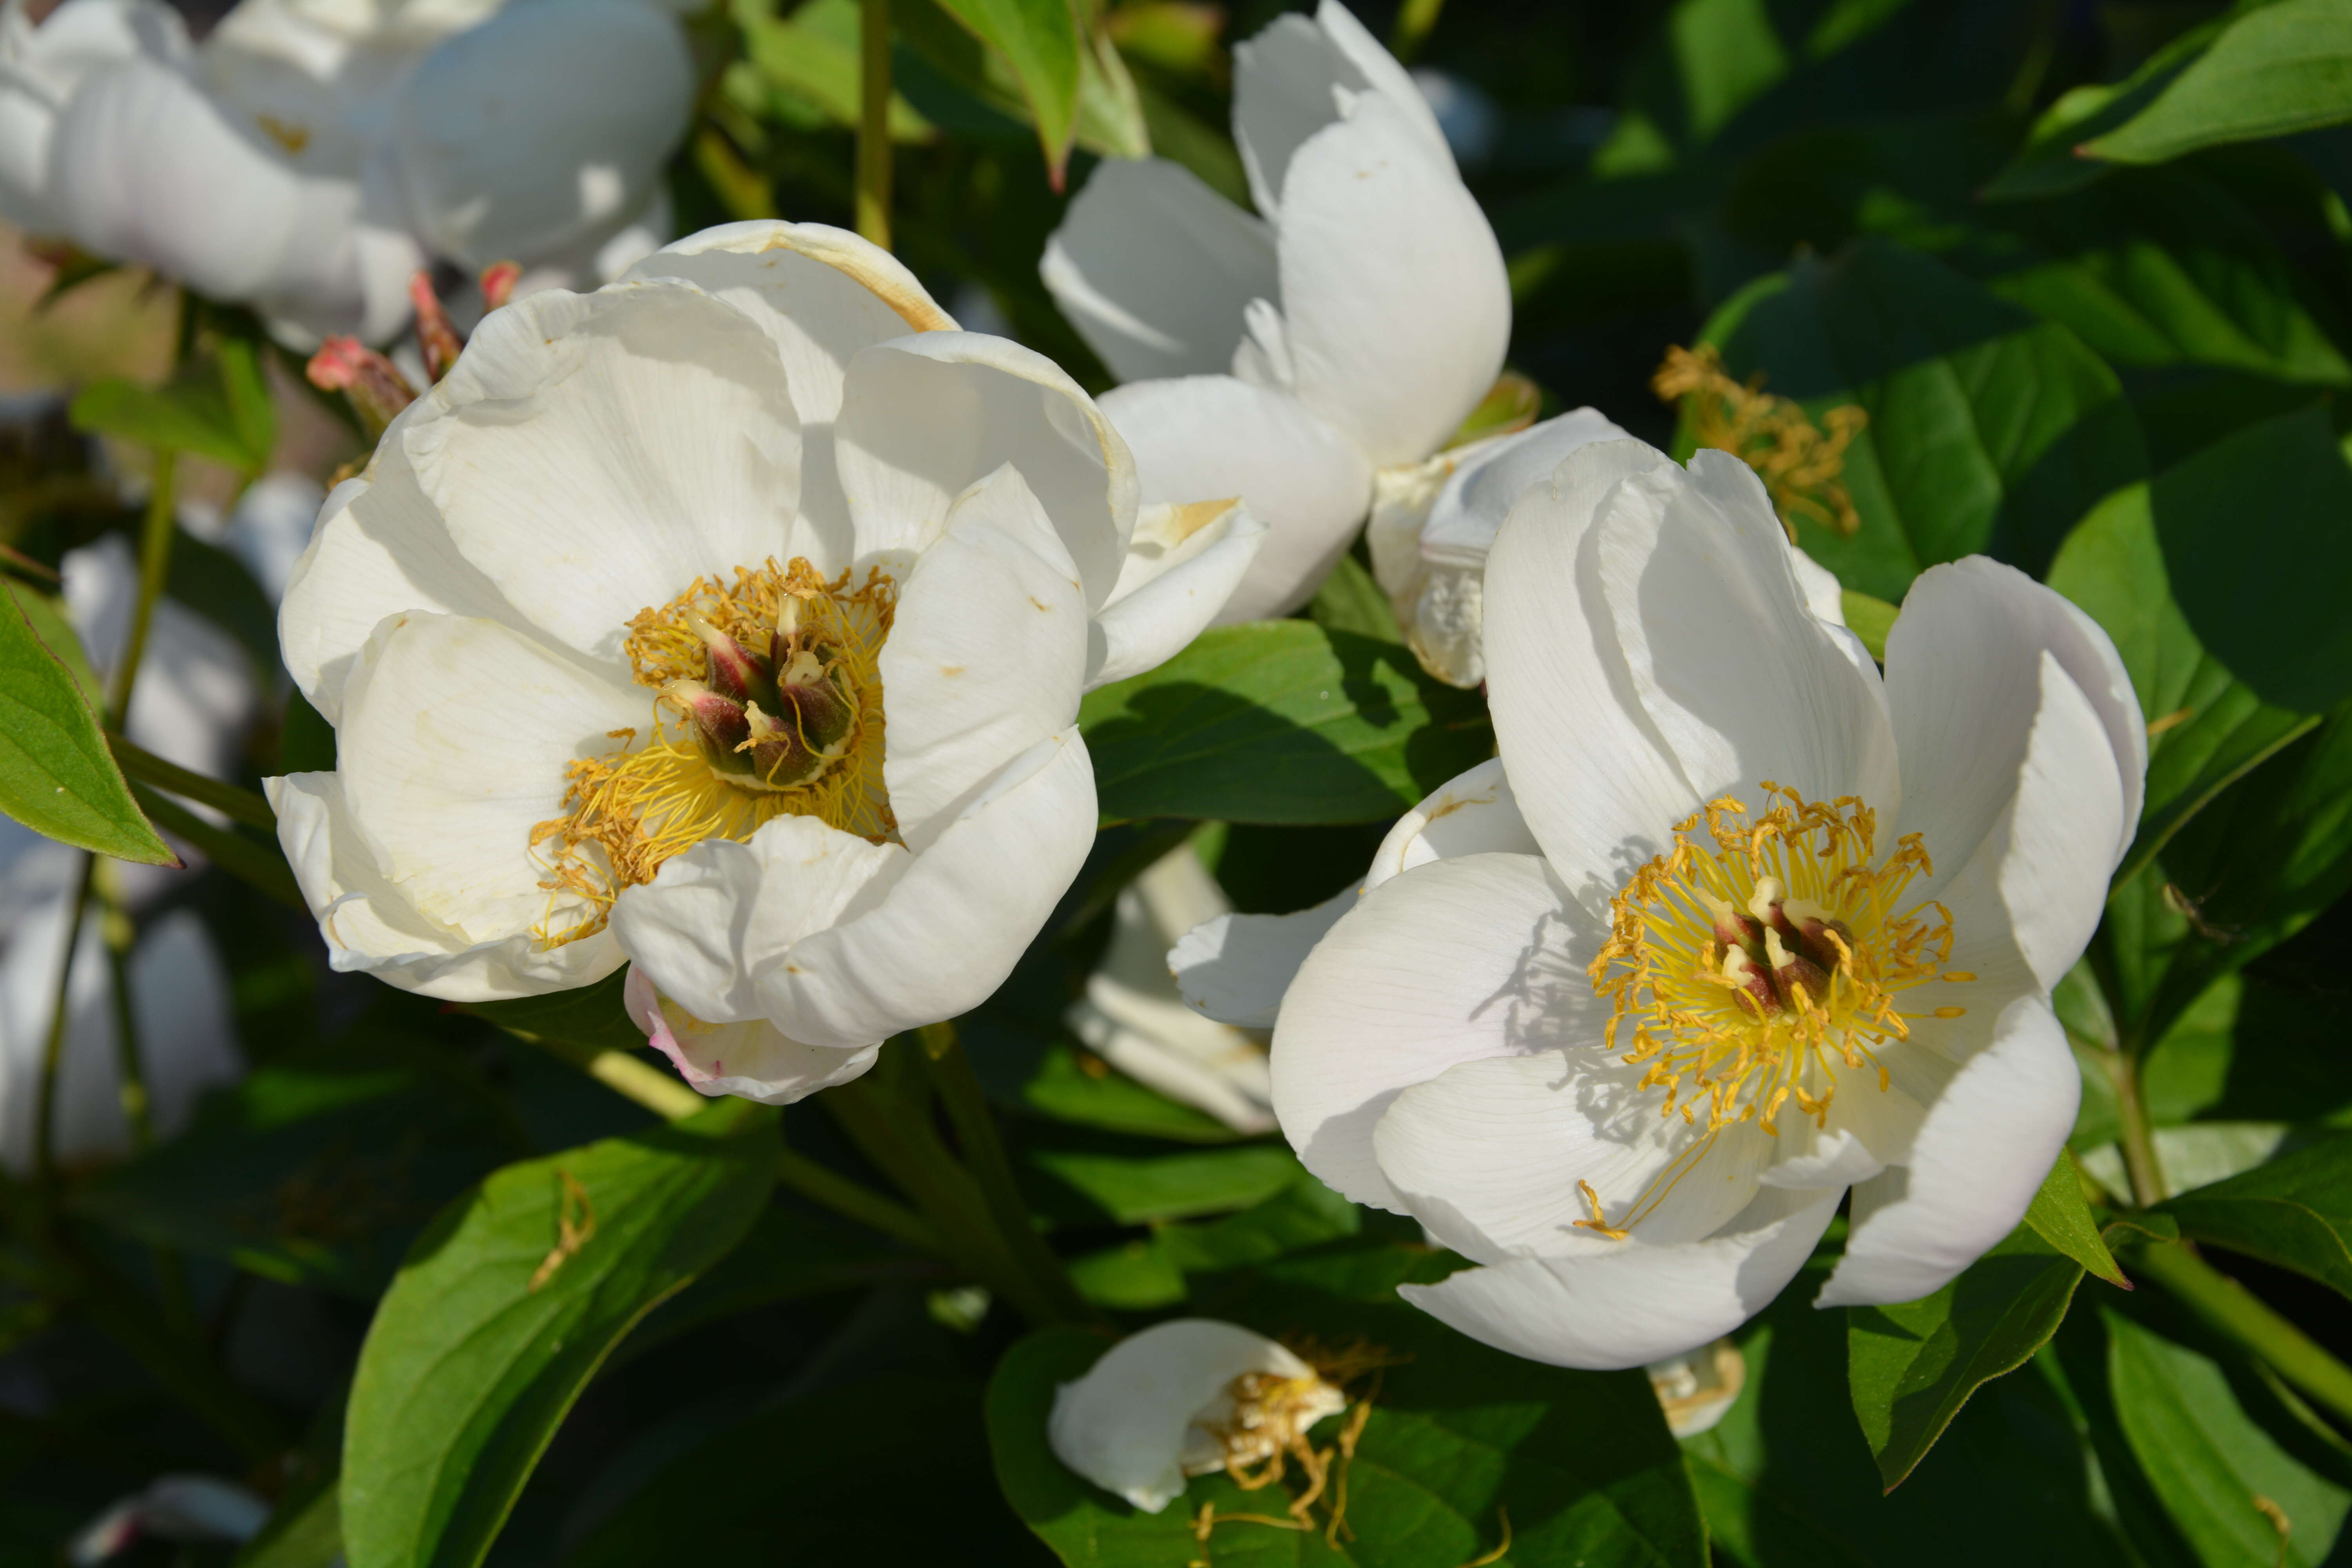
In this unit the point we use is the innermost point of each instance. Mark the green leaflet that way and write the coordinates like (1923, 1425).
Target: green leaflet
(2062, 1216)
(57, 777)
(2274, 70)
(2295, 1210)
(505, 1309)
(1913, 1366)
(1280, 722)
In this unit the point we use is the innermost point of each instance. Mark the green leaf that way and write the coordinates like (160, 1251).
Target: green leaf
(1869, 619)
(2266, 600)
(505, 1309)
(1351, 601)
(214, 418)
(47, 616)
(2295, 1210)
(311, 1536)
(2274, 70)
(1280, 722)
(2062, 1216)
(813, 55)
(1991, 430)
(2208, 728)
(1150, 1271)
(2047, 165)
(1787, 1482)
(1913, 1366)
(1458, 1435)
(586, 1014)
(1040, 41)
(1082, 1088)
(2211, 1466)
(1131, 1189)
(57, 777)
(891, 1469)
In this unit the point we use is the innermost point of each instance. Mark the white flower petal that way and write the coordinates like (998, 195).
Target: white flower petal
(1125, 1424)
(1963, 673)
(1489, 1155)
(924, 417)
(1982, 1154)
(717, 915)
(749, 1059)
(455, 738)
(2027, 899)
(1454, 961)
(1213, 437)
(1728, 663)
(594, 453)
(1295, 76)
(1594, 779)
(1394, 300)
(1636, 1303)
(946, 932)
(1814, 1159)
(378, 549)
(1235, 968)
(1154, 268)
(1489, 480)
(41, 64)
(821, 294)
(985, 655)
(1472, 814)
(543, 127)
(371, 927)
(1182, 565)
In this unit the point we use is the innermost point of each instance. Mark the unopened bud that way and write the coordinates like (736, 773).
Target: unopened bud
(814, 698)
(374, 385)
(498, 279)
(734, 671)
(436, 340)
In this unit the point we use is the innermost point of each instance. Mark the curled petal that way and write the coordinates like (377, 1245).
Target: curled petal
(1183, 567)
(752, 1060)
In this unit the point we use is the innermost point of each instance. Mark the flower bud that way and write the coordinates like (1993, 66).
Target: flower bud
(718, 723)
(735, 673)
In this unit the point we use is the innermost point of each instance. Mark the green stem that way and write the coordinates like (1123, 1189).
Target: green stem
(154, 565)
(261, 865)
(851, 1200)
(983, 1150)
(53, 1049)
(130, 1071)
(237, 805)
(874, 120)
(1414, 20)
(2240, 1316)
(632, 1078)
(2137, 1136)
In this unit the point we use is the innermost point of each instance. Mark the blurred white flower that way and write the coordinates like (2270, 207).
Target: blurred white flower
(309, 155)
(1430, 534)
(1301, 356)
(1133, 1017)
(1185, 1398)
(1776, 928)
(268, 528)
(171, 1508)
(613, 625)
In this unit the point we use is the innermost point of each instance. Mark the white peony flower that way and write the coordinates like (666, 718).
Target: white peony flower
(1305, 357)
(1133, 1017)
(1430, 536)
(309, 155)
(1775, 926)
(732, 619)
(1185, 1398)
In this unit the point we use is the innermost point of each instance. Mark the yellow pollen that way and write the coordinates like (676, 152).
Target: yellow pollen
(292, 137)
(1746, 974)
(630, 810)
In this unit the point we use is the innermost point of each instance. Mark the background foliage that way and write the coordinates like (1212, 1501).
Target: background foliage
(2087, 267)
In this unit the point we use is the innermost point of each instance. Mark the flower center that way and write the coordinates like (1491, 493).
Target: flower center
(1750, 972)
(770, 705)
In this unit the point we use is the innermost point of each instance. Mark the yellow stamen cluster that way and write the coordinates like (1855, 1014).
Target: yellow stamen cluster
(628, 812)
(1801, 463)
(1266, 1434)
(1748, 974)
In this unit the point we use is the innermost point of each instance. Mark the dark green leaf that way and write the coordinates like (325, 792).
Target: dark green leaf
(2295, 1210)
(2208, 728)
(1280, 722)
(1071, 1086)
(507, 1305)
(318, 1172)
(587, 1016)
(2048, 166)
(1351, 601)
(258, 862)
(1040, 41)
(2274, 70)
(888, 1470)
(1787, 1482)
(1133, 1277)
(1458, 1436)
(2062, 1216)
(194, 415)
(57, 776)
(1991, 430)
(1913, 1366)
(1303, 1215)
(47, 618)
(309, 1536)
(2260, 558)
(1131, 1189)
(2211, 1466)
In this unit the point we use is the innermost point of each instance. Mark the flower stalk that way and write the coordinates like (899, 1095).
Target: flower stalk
(2238, 1315)
(874, 120)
